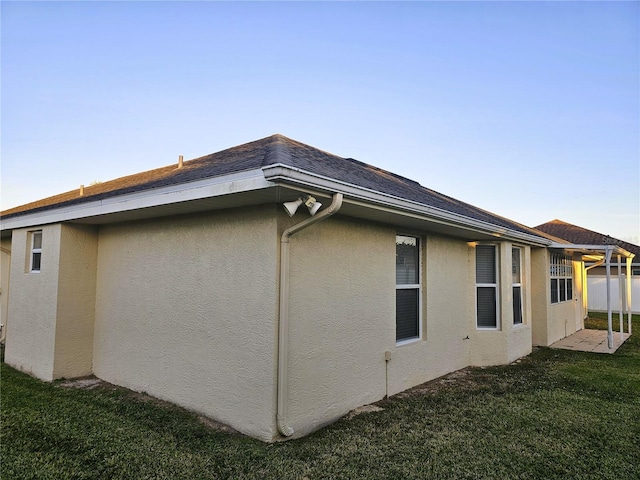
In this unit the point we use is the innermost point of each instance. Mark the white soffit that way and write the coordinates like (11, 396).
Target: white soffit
(588, 249)
(242, 182)
(390, 204)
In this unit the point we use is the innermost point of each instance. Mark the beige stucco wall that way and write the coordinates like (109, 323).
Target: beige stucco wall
(5, 269)
(73, 355)
(448, 317)
(30, 342)
(540, 295)
(186, 311)
(552, 322)
(509, 342)
(51, 312)
(341, 317)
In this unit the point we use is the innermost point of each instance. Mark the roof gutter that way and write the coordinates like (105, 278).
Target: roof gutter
(249, 180)
(283, 324)
(593, 248)
(368, 197)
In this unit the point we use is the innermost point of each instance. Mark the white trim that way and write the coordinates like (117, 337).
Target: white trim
(518, 284)
(413, 286)
(211, 187)
(589, 249)
(33, 250)
(495, 286)
(384, 201)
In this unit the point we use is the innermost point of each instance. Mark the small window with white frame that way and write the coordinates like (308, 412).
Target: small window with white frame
(561, 278)
(35, 251)
(408, 289)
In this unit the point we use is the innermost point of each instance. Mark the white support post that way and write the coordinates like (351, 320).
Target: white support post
(609, 317)
(629, 294)
(620, 290)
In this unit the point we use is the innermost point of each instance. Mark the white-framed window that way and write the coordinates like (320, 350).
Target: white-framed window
(516, 284)
(408, 288)
(35, 250)
(487, 287)
(561, 278)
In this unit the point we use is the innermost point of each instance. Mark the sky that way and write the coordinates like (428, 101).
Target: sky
(530, 110)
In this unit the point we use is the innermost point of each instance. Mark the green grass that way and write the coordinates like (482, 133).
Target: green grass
(598, 321)
(555, 414)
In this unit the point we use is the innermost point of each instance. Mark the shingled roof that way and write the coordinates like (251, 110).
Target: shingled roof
(582, 236)
(273, 150)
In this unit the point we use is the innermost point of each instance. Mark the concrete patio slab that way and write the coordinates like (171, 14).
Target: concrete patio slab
(591, 341)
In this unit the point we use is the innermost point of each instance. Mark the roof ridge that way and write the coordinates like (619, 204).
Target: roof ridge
(277, 150)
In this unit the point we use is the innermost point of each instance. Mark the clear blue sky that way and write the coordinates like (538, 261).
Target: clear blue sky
(530, 110)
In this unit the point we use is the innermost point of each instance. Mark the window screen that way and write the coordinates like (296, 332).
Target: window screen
(407, 287)
(486, 287)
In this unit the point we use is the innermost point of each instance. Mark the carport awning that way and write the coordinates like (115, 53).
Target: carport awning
(602, 255)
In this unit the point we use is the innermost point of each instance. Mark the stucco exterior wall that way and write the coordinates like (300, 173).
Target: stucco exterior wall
(540, 294)
(552, 322)
(509, 341)
(448, 316)
(32, 311)
(76, 301)
(341, 319)
(186, 311)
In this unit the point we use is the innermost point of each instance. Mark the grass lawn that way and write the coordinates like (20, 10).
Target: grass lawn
(555, 414)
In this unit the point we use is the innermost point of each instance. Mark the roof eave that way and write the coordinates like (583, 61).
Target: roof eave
(590, 249)
(239, 182)
(281, 173)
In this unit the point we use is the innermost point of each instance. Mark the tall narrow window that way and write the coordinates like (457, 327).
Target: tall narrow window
(36, 251)
(407, 288)
(516, 272)
(486, 287)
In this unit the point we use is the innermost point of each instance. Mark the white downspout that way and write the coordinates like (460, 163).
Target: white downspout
(3, 325)
(283, 325)
(628, 296)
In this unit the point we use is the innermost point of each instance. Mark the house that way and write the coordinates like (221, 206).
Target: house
(582, 236)
(192, 283)
(619, 271)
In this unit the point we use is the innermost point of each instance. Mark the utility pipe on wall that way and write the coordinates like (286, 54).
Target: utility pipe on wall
(283, 324)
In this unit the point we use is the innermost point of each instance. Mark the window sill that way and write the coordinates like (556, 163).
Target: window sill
(407, 341)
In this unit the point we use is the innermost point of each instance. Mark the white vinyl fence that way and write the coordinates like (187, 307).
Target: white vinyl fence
(597, 293)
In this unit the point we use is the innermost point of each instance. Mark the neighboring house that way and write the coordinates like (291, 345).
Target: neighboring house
(582, 236)
(192, 283)
(619, 266)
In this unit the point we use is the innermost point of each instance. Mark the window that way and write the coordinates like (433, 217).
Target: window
(516, 273)
(36, 251)
(407, 288)
(486, 287)
(561, 273)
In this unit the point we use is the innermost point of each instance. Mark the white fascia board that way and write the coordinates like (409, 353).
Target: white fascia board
(590, 249)
(211, 187)
(285, 173)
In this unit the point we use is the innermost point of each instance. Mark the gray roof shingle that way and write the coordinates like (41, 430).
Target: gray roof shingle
(268, 151)
(582, 236)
